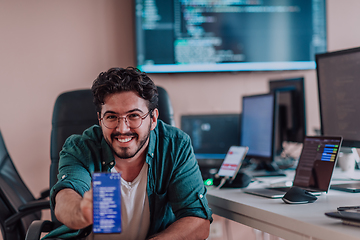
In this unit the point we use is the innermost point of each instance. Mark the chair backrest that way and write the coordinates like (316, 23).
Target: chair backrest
(166, 112)
(74, 111)
(13, 194)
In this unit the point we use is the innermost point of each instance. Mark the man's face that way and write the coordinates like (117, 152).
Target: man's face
(126, 142)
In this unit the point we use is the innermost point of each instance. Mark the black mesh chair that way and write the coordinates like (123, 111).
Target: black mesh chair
(74, 112)
(166, 112)
(18, 206)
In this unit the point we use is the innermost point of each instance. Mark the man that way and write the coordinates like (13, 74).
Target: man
(163, 196)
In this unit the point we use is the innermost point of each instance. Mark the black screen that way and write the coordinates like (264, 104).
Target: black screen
(291, 119)
(212, 135)
(240, 35)
(338, 76)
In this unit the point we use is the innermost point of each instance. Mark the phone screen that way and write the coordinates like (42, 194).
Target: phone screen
(106, 202)
(232, 162)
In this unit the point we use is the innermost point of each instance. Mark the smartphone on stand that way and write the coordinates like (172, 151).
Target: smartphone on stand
(106, 203)
(232, 163)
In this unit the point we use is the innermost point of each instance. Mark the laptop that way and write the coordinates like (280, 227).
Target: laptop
(315, 167)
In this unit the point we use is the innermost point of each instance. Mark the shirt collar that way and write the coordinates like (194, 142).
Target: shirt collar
(152, 143)
(108, 156)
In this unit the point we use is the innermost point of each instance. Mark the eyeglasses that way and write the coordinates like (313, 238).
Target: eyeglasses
(132, 120)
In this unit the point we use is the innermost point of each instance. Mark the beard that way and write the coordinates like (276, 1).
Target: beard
(125, 152)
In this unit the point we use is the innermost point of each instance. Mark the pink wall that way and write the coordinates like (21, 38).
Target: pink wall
(48, 47)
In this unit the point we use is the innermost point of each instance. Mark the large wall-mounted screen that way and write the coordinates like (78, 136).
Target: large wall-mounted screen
(228, 35)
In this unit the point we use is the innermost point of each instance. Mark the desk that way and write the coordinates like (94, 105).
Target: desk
(288, 221)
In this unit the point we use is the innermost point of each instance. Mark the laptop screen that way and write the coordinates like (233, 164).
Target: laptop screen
(317, 162)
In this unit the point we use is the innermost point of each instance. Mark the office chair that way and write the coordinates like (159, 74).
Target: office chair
(166, 112)
(74, 112)
(18, 207)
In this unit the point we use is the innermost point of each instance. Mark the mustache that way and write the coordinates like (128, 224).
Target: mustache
(113, 135)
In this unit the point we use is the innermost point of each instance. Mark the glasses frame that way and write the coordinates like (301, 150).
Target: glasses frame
(126, 120)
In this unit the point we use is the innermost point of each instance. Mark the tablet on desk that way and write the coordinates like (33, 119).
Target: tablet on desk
(347, 187)
(314, 170)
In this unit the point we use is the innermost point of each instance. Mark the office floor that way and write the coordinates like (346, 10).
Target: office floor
(225, 229)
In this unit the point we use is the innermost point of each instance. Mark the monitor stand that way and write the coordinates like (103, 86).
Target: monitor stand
(264, 169)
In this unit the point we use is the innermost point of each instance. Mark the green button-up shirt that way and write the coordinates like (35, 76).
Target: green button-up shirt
(174, 186)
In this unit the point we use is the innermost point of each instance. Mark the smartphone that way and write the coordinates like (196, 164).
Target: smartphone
(232, 162)
(106, 202)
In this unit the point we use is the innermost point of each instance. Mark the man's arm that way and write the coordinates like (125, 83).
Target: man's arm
(73, 210)
(185, 228)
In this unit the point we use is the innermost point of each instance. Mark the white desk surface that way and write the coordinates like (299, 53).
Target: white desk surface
(288, 221)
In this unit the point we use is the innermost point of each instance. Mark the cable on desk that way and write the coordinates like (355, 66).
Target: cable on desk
(222, 182)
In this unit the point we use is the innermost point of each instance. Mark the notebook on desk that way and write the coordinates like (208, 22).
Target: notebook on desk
(315, 167)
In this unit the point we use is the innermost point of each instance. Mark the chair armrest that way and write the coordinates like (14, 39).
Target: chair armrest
(44, 194)
(35, 205)
(27, 209)
(37, 227)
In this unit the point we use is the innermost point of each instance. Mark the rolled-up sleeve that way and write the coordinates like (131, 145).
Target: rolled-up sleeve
(74, 171)
(187, 192)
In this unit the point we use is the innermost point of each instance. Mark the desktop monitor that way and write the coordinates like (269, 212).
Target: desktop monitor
(211, 135)
(291, 119)
(338, 75)
(257, 129)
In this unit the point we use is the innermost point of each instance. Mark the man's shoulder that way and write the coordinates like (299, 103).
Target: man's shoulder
(86, 147)
(167, 131)
(92, 134)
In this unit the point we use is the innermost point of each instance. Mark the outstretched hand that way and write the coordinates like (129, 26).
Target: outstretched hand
(86, 206)
(73, 210)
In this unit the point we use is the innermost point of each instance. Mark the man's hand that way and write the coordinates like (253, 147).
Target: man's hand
(86, 206)
(73, 210)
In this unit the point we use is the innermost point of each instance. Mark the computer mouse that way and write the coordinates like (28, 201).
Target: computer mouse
(298, 195)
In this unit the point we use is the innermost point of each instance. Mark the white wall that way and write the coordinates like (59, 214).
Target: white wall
(48, 47)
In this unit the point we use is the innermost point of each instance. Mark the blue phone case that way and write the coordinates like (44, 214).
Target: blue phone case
(106, 202)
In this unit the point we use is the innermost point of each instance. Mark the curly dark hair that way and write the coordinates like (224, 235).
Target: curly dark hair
(117, 80)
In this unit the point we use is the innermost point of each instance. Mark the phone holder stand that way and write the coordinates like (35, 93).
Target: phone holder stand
(241, 180)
